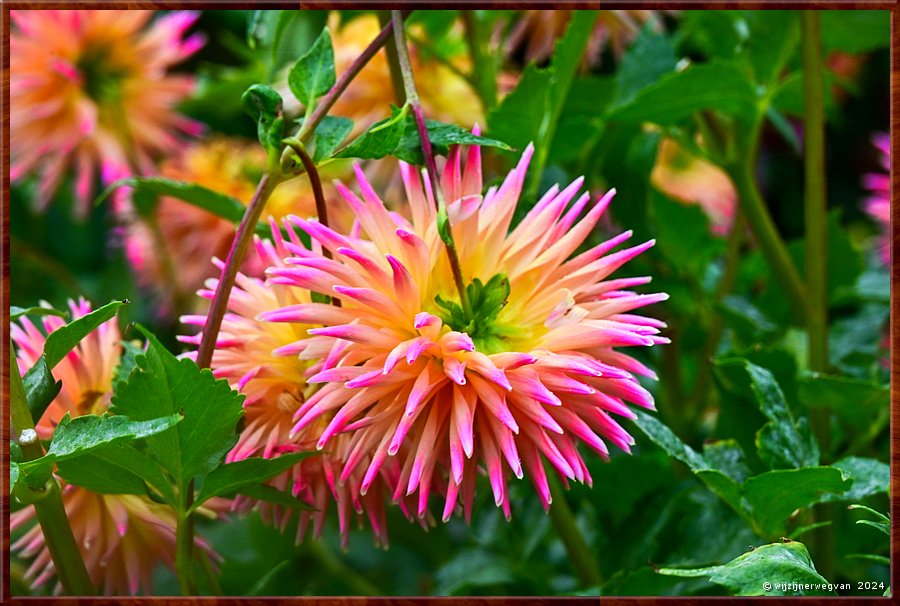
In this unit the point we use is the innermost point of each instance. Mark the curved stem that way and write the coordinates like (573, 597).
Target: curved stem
(51, 513)
(412, 98)
(770, 242)
(232, 264)
(580, 555)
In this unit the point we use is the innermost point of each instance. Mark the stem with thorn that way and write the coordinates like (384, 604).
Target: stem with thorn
(412, 98)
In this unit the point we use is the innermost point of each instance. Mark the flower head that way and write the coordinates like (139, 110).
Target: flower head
(518, 376)
(122, 538)
(247, 355)
(878, 204)
(89, 90)
(190, 235)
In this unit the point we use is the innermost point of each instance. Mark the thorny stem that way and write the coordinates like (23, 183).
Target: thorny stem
(580, 555)
(815, 218)
(51, 513)
(412, 98)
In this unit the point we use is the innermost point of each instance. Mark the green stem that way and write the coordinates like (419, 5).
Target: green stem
(384, 18)
(816, 221)
(717, 324)
(184, 548)
(484, 63)
(412, 98)
(580, 555)
(232, 264)
(357, 583)
(770, 242)
(51, 513)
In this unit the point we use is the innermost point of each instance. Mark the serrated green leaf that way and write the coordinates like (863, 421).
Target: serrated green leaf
(230, 478)
(679, 95)
(37, 310)
(517, 119)
(786, 441)
(163, 384)
(74, 437)
(775, 495)
(126, 364)
(868, 477)
(728, 457)
(771, 564)
(40, 388)
(116, 469)
(313, 73)
(442, 136)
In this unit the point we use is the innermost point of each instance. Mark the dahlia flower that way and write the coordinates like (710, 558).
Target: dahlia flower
(275, 387)
(122, 538)
(517, 380)
(878, 204)
(538, 30)
(89, 90)
(189, 235)
(693, 180)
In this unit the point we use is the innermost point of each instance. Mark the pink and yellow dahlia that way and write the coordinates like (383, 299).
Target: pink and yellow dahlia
(878, 204)
(122, 538)
(247, 355)
(174, 261)
(89, 90)
(693, 180)
(514, 380)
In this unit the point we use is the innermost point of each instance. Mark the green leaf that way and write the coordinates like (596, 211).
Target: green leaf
(17, 312)
(13, 475)
(163, 384)
(775, 563)
(40, 388)
(442, 136)
(286, 34)
(313, 73)
(858, 402)
(230, 478)
(649, 58)
(517, 119)
(127, 363)
(73, 437)
(868, 477)
(683, 235)
(62, 340)
(855, 31)
(330, 133)
(106, 471)
(677, 96)
(221, 205)
(118, 469)
(774, 38)
(785, 441)
(728, 457)
(774, 496)
(381, 139)
(882, 523)
(264, 105)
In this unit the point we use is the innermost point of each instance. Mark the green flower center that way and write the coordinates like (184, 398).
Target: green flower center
(479, 321)
(101, 75)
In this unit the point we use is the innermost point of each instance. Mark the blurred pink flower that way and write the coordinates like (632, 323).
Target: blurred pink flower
(122, 538)
(89, 90)
(246, 355)
(878, 204)
(523, 381)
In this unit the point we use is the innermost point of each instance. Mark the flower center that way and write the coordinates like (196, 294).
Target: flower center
(101, 75)
(480, 320)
